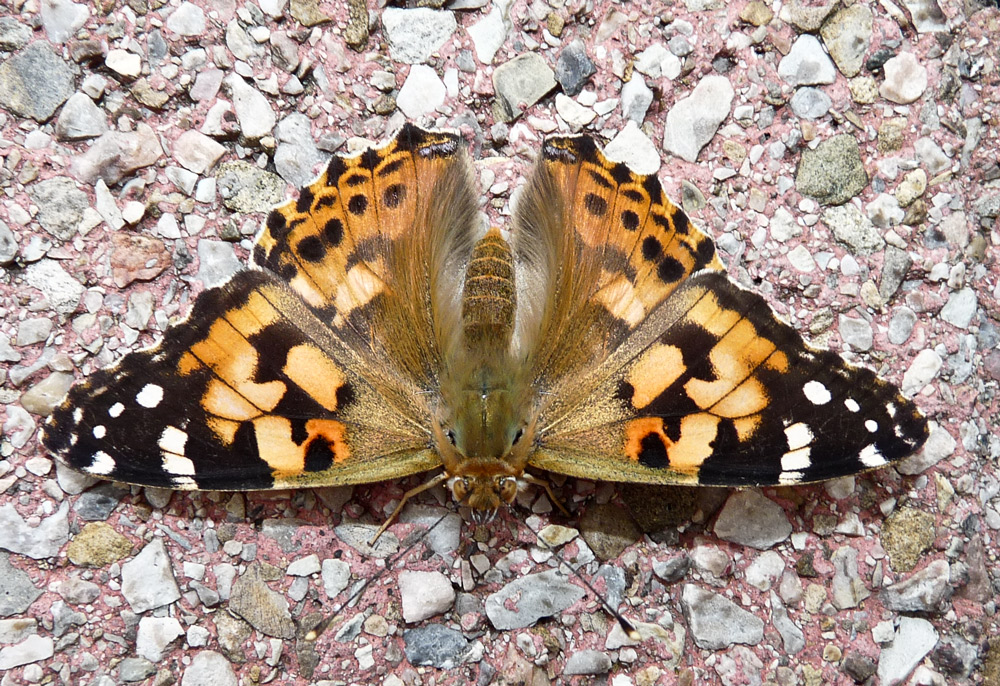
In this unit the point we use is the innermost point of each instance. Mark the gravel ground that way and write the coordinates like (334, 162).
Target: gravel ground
(844, 158)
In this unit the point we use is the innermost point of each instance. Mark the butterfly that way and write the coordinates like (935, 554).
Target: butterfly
(381, 331)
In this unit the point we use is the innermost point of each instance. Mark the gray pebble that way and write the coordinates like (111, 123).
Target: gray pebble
(209, 668)
(34, 82)
(117, 153)
(13, 34)
(187, 20)
(636, 97)
(847, 35)
(792, 637)
(692, 122)
(434, 645)
(446, 536)
(672, 570)
(133, 669)
(34, 330)
(265, 610)
(217, 262)
(522, 80)
(852, 227)
(847, 587)
(98, 503)
(527, 599)
(148, 578)
(60, 205)
(807, 64)
(573, 68)
(64, 617)
(810, 103)
(8, 245)
(16, 590)
(750, 518)
(336, 576)
(37, 542)
(414, 34)
(833, 173)
(896, 264)
(717, 622)
(960, 308)
(587, 662)
(80, 118)
(297, 156)
(77, 591)
(913, 640)
(856, 332)
(901, 325)
(928, 590)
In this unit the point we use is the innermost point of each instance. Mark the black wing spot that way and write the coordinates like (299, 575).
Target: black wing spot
(630, 220)
(595, 204)
(357, 205)
(333, 232)
(652, 452)
(651, 248)
(670, 269)
(621, 173)
(319, 456)
(277, 225)
(311, 248)
(355, 180)
(705, 253)
(598, 178)
(335, 170)
(304, 202)
(394, 195)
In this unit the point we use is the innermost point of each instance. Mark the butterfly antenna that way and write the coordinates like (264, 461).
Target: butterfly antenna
(626, 625)
(325, 623)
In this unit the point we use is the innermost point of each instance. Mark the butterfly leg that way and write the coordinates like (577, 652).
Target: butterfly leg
(544, 483)
(439, 479)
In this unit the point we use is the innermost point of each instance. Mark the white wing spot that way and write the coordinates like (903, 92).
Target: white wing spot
(172, 441)
(101, 463)
(150, 395)
(77, 415)
(816, 393)
(177, 465)
(116, 410)
(852, 405)
(891, 409)
(871, 425)
(788, 478)
(184, 483)
(798, 435)
(871, 457)
(99, 431)
(796, 460)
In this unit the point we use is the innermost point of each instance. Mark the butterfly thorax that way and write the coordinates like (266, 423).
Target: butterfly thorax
(480, 425)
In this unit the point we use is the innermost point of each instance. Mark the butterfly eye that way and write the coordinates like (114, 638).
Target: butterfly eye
(517, 436)
(451, 436)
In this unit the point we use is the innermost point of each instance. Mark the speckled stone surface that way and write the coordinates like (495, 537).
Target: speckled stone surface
(844, 159)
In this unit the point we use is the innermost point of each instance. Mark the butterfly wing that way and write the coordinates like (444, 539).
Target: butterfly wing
(252, 391)
(676, 374)
(317, 369)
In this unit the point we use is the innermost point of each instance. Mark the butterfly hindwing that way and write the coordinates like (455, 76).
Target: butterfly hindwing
(252, 391)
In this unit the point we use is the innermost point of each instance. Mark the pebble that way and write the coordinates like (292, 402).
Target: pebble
(77, 591)
(853, 228)
(97, 504)
(573, 68)
(922, 371)
(847, 588)
(148, 579)
(304, 566)
(116, 154)
(415, 34)
(692, 122)
(525, 600)
(19, 427)
(422, 92)
(8, 250)
(62, 18)
(884, 211)
(424, 595)
(523, 80)
(34, 82)
(801, 259)
(856, 332)
(716, 622)
(636, 97)
(633, 147)
(960, 308)
(336, 576)
(60, 206)
(435, 646)
(133, 669)
(905, 535)
(657, 62)
(245, 188)
(762, 572)
(34, 330)
(927, 590)
(98, 545)
(573, 113)
(792, 636)
(940, 445)
(488, 35)
(37, 542)
(13, 34)
(253, 111)
(297, 157)
(136, 257)
(901, 325)
(750, 518)
(80, 119)
(124, 63)
(264, 609)
(155, 634)
(895, 266)
(18, 591)
(807, 64)
(31, 649)
(914, 639)
(905, 79)
(197, 152)
(810, 103)
(187, 20)
(587, 662)
(14, 630)
(833, 173)
(446, 536)
(847, 35)
(608, 530)
(217, 262)
(209, 668)
(926, 15)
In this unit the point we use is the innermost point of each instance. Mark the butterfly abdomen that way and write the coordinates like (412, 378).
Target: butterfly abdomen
(489, 297)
